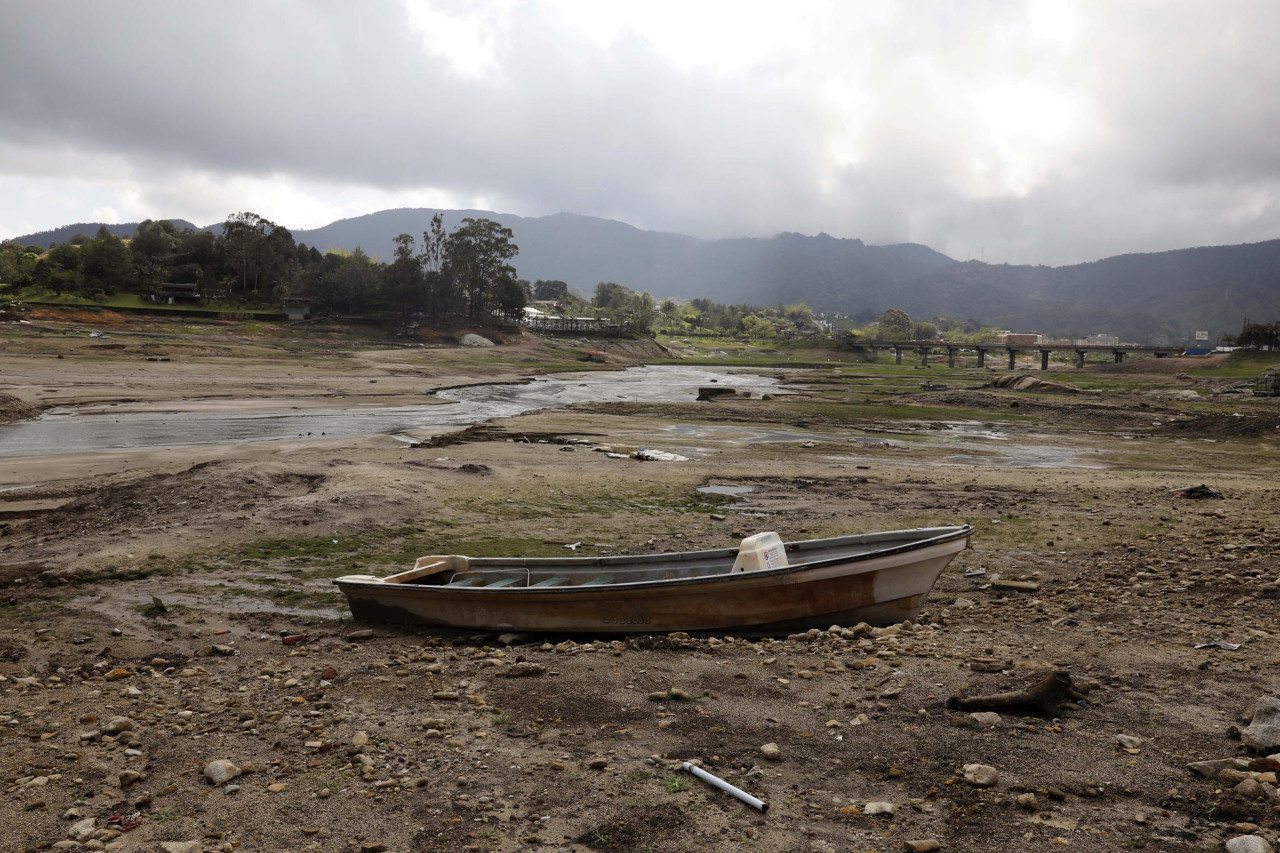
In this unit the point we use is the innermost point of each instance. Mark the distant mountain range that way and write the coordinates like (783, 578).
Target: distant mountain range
(1141, 297)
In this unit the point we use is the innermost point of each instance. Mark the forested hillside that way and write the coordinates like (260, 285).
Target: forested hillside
(1138, 296)
(65, 234)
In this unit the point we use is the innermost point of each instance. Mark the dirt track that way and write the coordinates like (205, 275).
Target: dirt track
(418, 741)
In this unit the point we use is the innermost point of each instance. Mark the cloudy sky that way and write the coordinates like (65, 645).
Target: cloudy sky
(1022, 132)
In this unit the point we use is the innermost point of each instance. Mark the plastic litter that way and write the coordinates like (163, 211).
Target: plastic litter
(125, 823)
(726, 787)
(647, 455)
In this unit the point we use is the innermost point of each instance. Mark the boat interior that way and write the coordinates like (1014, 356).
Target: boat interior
(762, 551)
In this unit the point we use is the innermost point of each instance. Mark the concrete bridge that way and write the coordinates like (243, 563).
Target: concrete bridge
(926, 348)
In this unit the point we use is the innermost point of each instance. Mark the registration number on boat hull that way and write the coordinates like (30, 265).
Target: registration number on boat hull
(624, 613)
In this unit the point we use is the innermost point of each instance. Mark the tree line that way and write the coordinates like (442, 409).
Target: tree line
(638, 310)
(464, 273)
(897, 325)
(1257, 335)
(445, 276)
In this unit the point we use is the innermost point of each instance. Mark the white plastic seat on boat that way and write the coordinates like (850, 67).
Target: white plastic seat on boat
(470, 580)
(762, 551)
(597, 581)
(550, 582)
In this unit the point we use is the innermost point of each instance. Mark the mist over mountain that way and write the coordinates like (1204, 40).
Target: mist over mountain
(1139, 297)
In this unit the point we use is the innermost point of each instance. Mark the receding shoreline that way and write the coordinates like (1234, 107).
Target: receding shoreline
(415, 740)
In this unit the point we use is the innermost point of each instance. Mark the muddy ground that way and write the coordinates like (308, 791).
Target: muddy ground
(146, 596)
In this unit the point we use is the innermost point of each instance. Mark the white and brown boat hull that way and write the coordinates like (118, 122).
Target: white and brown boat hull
(883, 579)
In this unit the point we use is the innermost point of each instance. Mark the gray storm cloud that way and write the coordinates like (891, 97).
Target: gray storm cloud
(972, 128)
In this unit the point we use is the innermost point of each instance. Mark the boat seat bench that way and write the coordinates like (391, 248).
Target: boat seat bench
(502, 582)
(550, 582)
(596, 581)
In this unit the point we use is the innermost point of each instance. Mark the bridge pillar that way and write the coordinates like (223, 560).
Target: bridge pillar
(1119, 356)
(982, 357)
(1013, 354)
(1044, 359)
(897, 355)
(951, 356)
(924, 356)
(1079, 358)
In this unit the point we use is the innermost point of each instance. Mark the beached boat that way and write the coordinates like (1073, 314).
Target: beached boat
(764, 586)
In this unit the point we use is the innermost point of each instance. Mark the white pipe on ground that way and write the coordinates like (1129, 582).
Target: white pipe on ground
(726, 787)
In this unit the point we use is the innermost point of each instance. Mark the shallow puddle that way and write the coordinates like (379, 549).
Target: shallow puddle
(959, 443)
(730, 491)
(100, 429)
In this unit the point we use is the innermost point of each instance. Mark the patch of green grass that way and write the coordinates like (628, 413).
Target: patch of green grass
(303, 597)
(676, 784)
(320, 782)
(33, 296)
(989, 534)
(130, 572)
(319, 548)
(507, 546)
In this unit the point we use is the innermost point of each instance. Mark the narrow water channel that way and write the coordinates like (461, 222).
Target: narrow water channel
(100, 429)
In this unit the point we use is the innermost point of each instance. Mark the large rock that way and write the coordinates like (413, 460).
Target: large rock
(470, 340)
(116, 725)
(1027, 382)
(710, 392)
(981, 775)
(221, 771)
(1248, 844)
(1263, 734)
(1211, 769)
(985, 720)
(178, 847)
(82, 830)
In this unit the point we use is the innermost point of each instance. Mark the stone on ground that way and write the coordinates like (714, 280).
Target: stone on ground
(221, 771)
(1263, 734)
(1249, 844)
(982, 775)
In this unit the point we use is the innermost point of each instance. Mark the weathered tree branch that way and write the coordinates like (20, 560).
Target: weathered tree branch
(1046, 696)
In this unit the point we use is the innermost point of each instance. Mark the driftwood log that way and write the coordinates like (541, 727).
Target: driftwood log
(1046, 695)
